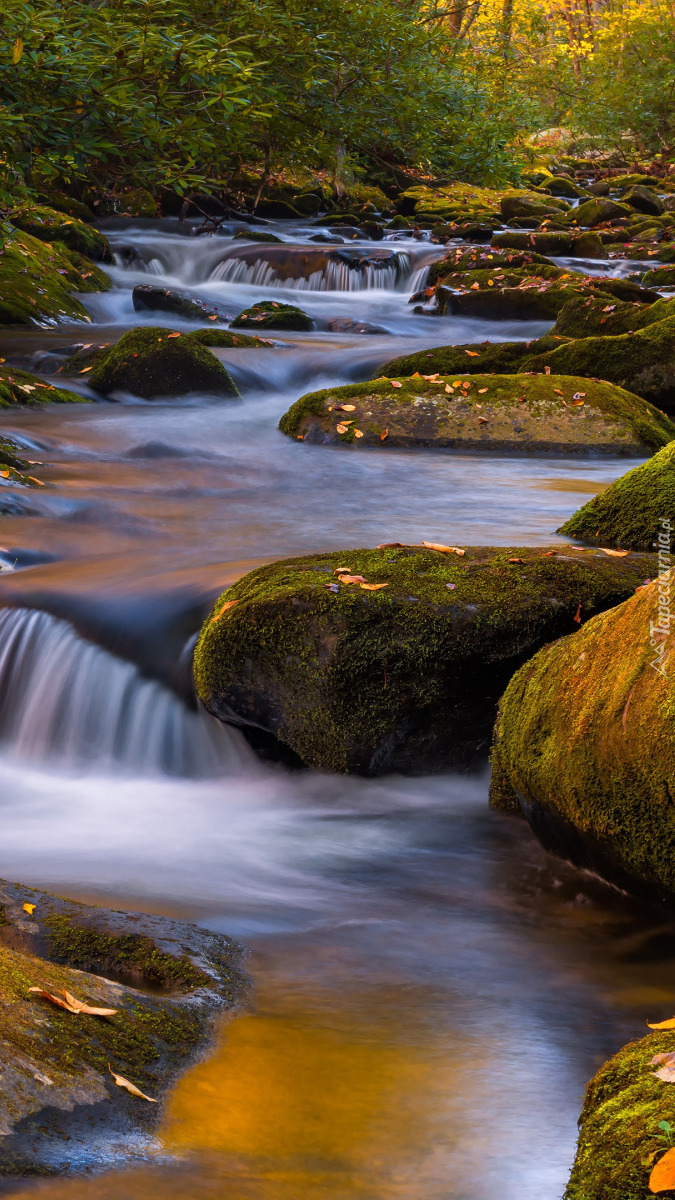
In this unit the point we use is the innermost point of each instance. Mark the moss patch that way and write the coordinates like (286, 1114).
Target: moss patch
(51, 226)
(22, 388)
(92, 950)
(584, 738)
(630, 512)
(619, 1124)
(596, 316)
(402, 678)
(269, 314)
(36, 281)
(502, 412)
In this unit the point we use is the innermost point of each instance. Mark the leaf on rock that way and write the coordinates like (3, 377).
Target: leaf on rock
(223, 608)
(662, 1178)
(396, 384)
(130, 1087)
(669, 1024)
(373, 587)
(29, 908)
(357, 433)
(345, 407)
(384, 435)
(615, 554)
(577, 615)
(341, 428)
(72, 1005)
(351, 579)
(390, 546)
(517, 560)
(443, 549)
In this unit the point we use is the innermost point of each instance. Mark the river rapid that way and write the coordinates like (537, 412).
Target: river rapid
(431, 990)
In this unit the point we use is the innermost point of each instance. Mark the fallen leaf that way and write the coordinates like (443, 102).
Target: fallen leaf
(431, 378)
(550, 553)
(577, 615)
(457, 383)
(658, 1059)
(390, 546)
(449, 389)
(519, 560)
(482, 420)
(171, 335)
(578, 395)
(84, 370)
(452, 586)
(373, 587)
(396, 384)
(29, 908)
(547, 370)
(670, 1024)
(341, 429)
(342, 571)
(558, 392)
(345, 408)
(615, 553)
(358, 433)
(384, 434)
(576, 404)
(223, 608)
(472, 353)
(662, 1178)
(474, 287)
(443, 549)
(351, 579)
(54, 999)
(81, 1006)
(666, 1073)
(481, 391)
(129, 1087)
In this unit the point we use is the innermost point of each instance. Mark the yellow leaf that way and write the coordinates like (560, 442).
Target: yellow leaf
(614, 553)
(357, 433)
(396, 384)
(129, 1087)
(443, 549)
(341, 428)
(345, 408)
(5, 475)
(29, 908)
(471, 354)
(662, 1178)
(17, 50)
(373, 587)
(662, 1024)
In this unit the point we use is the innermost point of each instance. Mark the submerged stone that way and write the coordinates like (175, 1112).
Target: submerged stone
(517, 413)
(355, 677)
(631, 512)
(59, 1103)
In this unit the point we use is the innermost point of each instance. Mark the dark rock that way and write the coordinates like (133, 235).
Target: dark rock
(153, 362)
(269, 314)
(346, 325)
(147, 297)
(644, 200)
(50, 226)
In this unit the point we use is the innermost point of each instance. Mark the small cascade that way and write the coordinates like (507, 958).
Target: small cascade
(334, 276)
(67, 702)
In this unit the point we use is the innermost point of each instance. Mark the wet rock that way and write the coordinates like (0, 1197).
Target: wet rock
(531, 205)
(59, 1104)
(485, 259)
(326, 238)
(451, 203)
(258, 235)
(269, 314)
(533, 300)
(630, 512)
(372, 230)
(147, 297)
(48, 225)
(470, 359)
(347, 325)
(561, 185)
(623, 1106)
(597, 317)
(584, 744)
(505, 413)
(20, 388)
(539, 243)
(405, 677)
(37, 281)
(155, 362)
(596, 212)
(659, 277)
(644, 200)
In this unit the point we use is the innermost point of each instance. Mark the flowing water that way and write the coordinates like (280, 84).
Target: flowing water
(431, 991)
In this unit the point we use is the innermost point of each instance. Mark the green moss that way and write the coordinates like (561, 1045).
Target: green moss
(90, 950)
(51, 226)
(541, 243)
(619, 1124)
(660, 277)
(269, 314)
(223, 338)
(598, 211)
(22, 388)
(86, 275)
(405, 677)
(152, 361)
(535, 410)
(485, 258)
(471, 359)
(36, 282)
(584, 738)
(630, 512)
(453, 202)
(257, 235)
(602, 318)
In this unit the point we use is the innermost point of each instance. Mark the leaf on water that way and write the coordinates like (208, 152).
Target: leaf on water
(669, 1024)
(223, 608)
(443, 549)
(614, 553)
(662, 1178)
(29, 908)
(373, 587)
(396, 384)
(130, 1087)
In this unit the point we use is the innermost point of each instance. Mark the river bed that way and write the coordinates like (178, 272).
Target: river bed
(431, 990)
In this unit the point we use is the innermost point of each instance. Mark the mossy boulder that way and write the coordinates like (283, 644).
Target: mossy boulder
(598, 211)
(37, 280)
(223, 339)
(480, 358)
(539, 243)
(147, 297)
(166, 980)
(643, 199)
(155, 362)
(20, 388)
(561, 185)
(531, 204)
(642, 362)
(48, 225)
(659, 277)
(355, 677)
(518, 413)
(451, 202)
(584, 743)
(630, 512)
(598, 316)
(460, 260)
(619, 1135)
(533, 299)
(270, 314)
(252, 234)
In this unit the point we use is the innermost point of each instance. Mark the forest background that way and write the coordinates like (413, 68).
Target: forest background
(185, 96)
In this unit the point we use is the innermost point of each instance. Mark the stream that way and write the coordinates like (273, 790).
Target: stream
(431, 990)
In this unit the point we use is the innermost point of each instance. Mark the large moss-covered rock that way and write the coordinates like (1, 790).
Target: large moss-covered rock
(154, 362)
(22, 388)
(659, 277)
(598, 211)
(584, 744)
(619, 1134)
(527, 413)
(643, 199)
(147, 297)
(531, 204)
(452, 202)
(553, 242)
(356, 677)
(630, 513)
(643, 362)
(460, 261)
(533, 299)
(597, 316)
(270, 314)
(480, 358)
(37, 280)
(51, 226)
(59, 1103)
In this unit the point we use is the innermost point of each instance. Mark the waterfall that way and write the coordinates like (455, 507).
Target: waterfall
(64, 700)
(333, 277)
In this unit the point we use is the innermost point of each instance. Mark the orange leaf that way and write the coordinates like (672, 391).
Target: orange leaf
(443, 549)
(615, 553)
(547, 370)
(481, 391)
(80, 1006)
(170, 335)
(517, 560)
(223, 608)
(29, 908)
(395, 383)
(482, 420)
(577, 615)
(54, 999)
(373, 587)
(662, 1178)
(448, 388)
(351, 579)
(129, 1087)
(662, 1024)
(390, 545)
(384, 434)
(357, 433)
(345, 407)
